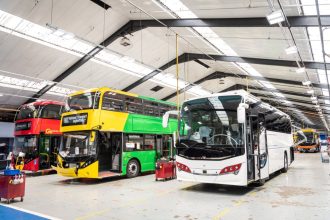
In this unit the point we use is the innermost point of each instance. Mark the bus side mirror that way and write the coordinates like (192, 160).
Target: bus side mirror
(166, 116)
(241, 115)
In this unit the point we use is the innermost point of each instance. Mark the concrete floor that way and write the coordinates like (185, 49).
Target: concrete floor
(302, 193)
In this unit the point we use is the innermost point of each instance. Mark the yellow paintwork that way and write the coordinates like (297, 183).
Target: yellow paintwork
(102, 90)
(91, 171)
(97, 118)
(117, 119)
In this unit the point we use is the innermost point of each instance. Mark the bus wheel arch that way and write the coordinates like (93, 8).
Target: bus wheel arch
(133, 168)
(285, 162)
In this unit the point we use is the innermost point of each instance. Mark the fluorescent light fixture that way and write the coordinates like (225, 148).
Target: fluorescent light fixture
(301, 70)
(291, 50)
(314, 101)
(306, 83)
(311, 91)
(313, 98)
(34, 86)
(275, 17)
(317, 106)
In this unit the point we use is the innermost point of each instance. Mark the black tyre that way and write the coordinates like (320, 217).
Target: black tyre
(261, 182)
(286, 164)
(133, 168)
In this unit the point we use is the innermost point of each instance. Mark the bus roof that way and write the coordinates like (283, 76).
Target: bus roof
(249, 99)
(106, 89)
(44, 102)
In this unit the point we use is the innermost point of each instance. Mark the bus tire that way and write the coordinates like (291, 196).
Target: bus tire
(133, 168)
(286, 164)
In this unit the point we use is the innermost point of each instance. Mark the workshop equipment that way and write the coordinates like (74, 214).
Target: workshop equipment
(165, 169)
(12, 186)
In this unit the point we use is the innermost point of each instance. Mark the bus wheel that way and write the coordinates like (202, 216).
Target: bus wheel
(286, 164)
(133, 168)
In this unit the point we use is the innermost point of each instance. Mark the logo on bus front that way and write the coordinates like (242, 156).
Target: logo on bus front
(78, 119)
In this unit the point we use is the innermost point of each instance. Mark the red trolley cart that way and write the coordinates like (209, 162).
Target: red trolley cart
(12, 186)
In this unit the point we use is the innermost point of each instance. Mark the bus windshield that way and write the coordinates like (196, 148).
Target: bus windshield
(88, 100)
(310, 138)
(28, 111)
(77, 144)
(26, 145)
(209, 127)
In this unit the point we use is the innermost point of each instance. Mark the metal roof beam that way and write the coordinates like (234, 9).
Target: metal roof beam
(125, 29)
(295, 21)
(261, 61)
(182, 58)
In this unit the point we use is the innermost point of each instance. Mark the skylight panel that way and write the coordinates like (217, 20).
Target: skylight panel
(325, 92)
(29, 85)
(179, 8)
(198, 91)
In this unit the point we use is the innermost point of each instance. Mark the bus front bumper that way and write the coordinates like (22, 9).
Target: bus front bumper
(67, 172)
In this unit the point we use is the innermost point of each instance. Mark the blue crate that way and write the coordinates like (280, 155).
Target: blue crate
(11, 172)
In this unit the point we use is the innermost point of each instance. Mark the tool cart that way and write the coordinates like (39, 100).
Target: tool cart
(12, 185)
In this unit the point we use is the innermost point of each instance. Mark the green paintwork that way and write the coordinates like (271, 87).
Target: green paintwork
(148, 125)
(147, 160)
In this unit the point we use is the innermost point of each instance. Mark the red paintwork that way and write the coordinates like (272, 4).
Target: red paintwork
(41, 125)
(8, 190)
(38, 126)
(33, 165)
(165, 170)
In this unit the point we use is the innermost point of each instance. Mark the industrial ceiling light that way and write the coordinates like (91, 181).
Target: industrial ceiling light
(60, 33)
(300, 70)
(317, 106)
(275, 17)
(313, 98)
(306, 83)
(125, 42)
(310, 91)
(291, 50)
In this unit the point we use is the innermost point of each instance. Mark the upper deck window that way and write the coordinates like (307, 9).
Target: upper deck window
(88, 100)
(28, 111)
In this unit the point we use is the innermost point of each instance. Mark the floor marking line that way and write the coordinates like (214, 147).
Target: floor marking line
(226, 210)
(100, 212)
(30, 212)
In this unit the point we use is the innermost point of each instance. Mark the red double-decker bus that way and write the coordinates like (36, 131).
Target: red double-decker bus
(37, 135)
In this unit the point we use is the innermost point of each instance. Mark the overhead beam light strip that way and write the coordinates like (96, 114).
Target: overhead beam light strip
(182, 11)
(309, 8)
(28, 85)
(67, 42)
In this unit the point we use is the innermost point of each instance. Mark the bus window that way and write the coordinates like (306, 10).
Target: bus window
(151, 108)
(112, 101)
(51, 112)
(149, 142)
(134, 105)
(133, 142)
(28, 111)
(88, 100)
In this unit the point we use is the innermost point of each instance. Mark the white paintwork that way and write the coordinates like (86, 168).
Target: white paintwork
(213, 169)
(277, 143)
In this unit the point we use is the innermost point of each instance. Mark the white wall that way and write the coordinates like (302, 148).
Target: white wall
(7, 129)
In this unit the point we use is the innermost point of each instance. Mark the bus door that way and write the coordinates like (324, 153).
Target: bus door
(260, 149)
(250, 148)
(164, 146)
(48, 150)
(116, 141)
(104, 151)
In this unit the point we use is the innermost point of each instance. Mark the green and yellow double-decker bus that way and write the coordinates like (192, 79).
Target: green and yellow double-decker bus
(111, 133)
